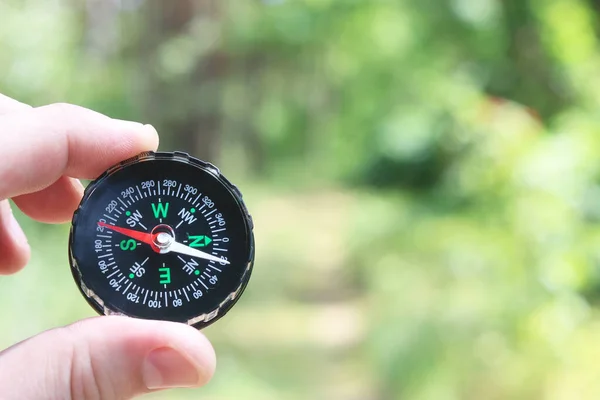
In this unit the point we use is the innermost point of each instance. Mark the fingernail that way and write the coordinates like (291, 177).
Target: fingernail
(16, 231)
(150, 129)
(166, 368)
(133, 125)
(153, 134)
(78, 185)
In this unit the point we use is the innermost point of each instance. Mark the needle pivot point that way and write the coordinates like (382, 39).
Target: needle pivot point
(163, 235)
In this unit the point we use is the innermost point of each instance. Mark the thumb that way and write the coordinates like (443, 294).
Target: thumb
(106, 358)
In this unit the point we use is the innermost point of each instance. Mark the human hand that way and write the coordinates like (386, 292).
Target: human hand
(43, 152)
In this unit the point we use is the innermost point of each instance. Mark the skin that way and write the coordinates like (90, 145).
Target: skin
(44, 153)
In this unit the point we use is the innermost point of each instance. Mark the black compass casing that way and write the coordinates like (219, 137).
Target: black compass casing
(120, 275)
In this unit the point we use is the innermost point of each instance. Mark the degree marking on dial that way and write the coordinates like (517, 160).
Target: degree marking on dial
(219, 249)
(103, 236)
(195, 202)
(149, 191)
(202, 283)
(139, 191)
(187, 195)
(127, 288)
(105, 255)
(218, 230)
(111, 275)
(178, 190)
(111, 218)
(213, 267)
(122, 202)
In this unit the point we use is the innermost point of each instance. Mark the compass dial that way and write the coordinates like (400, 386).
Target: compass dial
(162, 236)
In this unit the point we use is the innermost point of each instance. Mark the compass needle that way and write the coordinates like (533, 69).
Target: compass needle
(141, 236)
(144, 240)
(183, 249)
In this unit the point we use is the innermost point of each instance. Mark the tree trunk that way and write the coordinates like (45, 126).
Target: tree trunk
(185, 107)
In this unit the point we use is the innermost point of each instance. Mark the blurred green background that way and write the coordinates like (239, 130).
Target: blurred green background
(424, 179)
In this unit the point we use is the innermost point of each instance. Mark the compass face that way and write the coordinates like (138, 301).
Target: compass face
(162, 236)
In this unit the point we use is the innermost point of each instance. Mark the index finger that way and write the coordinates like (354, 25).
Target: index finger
(40, 145)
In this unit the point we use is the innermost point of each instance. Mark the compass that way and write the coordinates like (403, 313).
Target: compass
(162, 236)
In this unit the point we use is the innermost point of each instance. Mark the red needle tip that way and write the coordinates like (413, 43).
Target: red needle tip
(143, 237)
